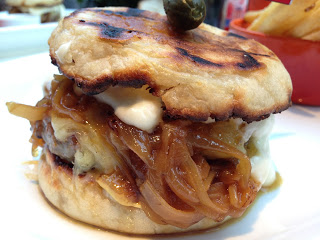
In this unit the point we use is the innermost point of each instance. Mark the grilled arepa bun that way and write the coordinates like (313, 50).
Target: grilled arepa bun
(150, 130)
(206, 72)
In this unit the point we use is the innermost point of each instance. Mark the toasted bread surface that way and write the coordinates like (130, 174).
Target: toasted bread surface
(202, 73)
(81, 198)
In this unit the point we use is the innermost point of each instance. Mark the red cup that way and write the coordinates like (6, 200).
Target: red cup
(257, 4)
(300, 57)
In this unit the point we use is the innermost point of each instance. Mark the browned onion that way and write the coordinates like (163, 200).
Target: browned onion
(189, 181)
(176, 217)
(211, 146)
(137, 140)
(199, 186)
(180, 187)
(179, 152)
(176, 169)
(57, 105)
(207, 182)
(25, 111)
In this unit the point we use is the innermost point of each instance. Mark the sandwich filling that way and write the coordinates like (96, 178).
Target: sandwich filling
(177, 171)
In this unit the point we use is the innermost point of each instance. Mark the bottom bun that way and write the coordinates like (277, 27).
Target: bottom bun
(80, 197)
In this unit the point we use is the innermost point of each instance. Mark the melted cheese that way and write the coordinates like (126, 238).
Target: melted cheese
(262, 169)
(62, 53)
(92, 150)
(136, 107)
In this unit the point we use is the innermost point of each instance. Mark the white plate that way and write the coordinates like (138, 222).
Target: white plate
(24, 35)
(290, 212)
(24, 40)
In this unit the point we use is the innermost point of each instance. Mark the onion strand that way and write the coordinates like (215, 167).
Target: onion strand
(179, 174)
(25, 111)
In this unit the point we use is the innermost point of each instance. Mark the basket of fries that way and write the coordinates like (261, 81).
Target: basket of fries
(292, 32)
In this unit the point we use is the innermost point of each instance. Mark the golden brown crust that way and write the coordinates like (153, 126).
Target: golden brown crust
(199, 73)
(81, 198)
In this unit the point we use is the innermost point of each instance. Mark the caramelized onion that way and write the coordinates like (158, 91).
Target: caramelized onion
(180, 174)
(57, 99)
(176, 217)
(25, 111)
(135, 139)
(199, 186)
(234, 200)
(120, 188)
(180, 187)
(179, 152)
(207, 182)
(210, 146)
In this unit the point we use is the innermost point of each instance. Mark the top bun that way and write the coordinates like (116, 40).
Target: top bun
(205, 72)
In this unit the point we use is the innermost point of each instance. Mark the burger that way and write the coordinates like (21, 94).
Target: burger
(48, 10)
(149, 130)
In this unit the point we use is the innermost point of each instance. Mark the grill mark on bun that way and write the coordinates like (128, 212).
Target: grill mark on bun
(197, 59)
(249, 62)
(130, 78)
(131, 12)
(145, 50)
(270, 55)
(230, 34)
(108, 30)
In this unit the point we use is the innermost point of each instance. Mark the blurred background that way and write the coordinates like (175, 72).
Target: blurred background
(219, 12)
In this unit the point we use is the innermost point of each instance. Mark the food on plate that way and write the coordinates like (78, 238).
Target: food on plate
(150, 130)
(298, 20)
(48, 10)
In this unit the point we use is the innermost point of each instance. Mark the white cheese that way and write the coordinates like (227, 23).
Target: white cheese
(77, 90)
(62, 53)
(92, 149)
(262, 169)
(84, 159)
(136, 107)
(209, 120)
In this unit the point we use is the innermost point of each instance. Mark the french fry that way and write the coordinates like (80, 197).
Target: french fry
(314, 36)
(278, 19)
(308, 25)
(250, 16)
